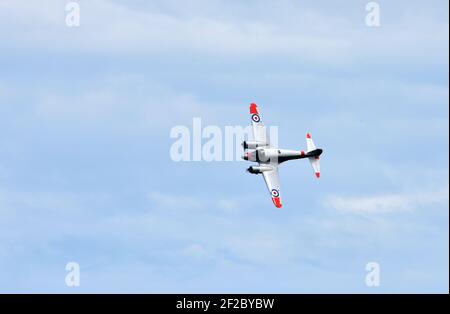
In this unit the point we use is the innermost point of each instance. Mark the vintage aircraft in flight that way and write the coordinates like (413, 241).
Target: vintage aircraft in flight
(269, 158)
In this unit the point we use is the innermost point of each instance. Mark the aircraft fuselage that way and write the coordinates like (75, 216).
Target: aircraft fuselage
(274, 155)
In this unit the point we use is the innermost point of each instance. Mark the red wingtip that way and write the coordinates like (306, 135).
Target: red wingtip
(253, 108)
(277, 202)
(318, 175)
(308, 135)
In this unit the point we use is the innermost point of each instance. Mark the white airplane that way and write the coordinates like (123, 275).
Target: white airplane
(269, 158)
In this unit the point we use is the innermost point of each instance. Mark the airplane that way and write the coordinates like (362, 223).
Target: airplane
(269, 158)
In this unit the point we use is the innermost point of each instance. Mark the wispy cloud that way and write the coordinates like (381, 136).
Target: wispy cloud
(296, 30)
(387, 203)
(170, 201)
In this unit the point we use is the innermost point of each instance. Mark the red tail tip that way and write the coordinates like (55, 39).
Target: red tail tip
(308, 135)
(318, 175)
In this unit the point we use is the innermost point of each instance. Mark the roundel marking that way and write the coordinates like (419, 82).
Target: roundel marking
(256, 118)
(275, 193)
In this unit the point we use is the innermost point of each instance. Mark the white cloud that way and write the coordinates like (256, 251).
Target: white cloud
(387, 203)
(196, 251)
(109, 27)
(170, 201)
(111, 103)
(300, 31)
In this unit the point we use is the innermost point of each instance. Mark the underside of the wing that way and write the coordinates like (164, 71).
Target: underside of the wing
(273, 185)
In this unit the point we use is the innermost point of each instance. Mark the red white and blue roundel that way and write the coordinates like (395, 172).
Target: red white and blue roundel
(275, 193)
(256, 118)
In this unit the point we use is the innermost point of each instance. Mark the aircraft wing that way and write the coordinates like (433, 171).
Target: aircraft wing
(273, 185)
(259, 129)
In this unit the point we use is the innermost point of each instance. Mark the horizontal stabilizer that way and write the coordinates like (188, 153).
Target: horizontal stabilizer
(310, 146)
(315, 163)
(315, 158)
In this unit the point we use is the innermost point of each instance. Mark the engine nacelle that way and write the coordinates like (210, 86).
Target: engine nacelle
(268, 154)
(252, 145)
(259, 169)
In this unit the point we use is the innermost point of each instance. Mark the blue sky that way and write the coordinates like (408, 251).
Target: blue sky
(85, 171)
